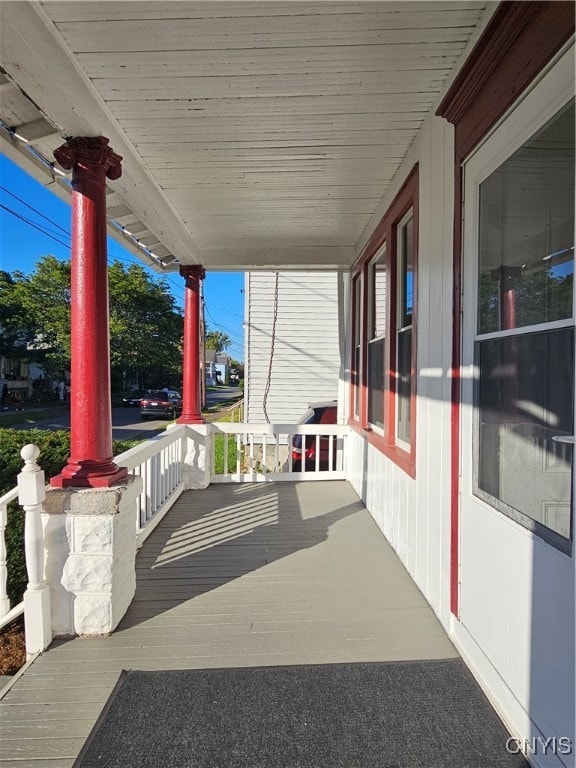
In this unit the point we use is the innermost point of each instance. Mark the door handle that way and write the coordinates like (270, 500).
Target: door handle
(571, 439)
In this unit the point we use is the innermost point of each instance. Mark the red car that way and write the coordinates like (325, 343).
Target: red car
(317, 413)
(156, 403)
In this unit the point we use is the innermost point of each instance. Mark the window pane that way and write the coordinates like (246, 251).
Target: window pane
(357, 310)
(526, 245)
(376, 382)
(357, 300)
(406, 275)
(356, 381)
(378, 288)
(525, 397)
(403, 387)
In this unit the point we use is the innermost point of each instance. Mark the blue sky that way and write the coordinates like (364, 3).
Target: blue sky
(34, 222)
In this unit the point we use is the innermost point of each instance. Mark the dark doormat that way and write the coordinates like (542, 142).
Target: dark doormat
(391, 715)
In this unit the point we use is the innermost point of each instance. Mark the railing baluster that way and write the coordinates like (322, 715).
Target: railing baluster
(148, 480)
(289, 459)
(226, 436)
(264, 451)
(4, 599)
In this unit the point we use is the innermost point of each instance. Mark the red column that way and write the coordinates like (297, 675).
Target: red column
(90, 463)
(191, 408)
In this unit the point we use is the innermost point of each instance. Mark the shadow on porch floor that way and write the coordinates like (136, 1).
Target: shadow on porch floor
(234, 576)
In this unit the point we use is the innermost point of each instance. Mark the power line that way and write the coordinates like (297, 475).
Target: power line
(45, 231)
(35, 226)
(35, 210)
(237, 338)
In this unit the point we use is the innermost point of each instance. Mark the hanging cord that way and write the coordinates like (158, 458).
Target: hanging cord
(272, 343)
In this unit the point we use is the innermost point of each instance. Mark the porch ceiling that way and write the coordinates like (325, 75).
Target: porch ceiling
(254, 134)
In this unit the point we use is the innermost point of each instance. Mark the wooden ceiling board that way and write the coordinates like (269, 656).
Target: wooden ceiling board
(268, 131)
(160, 9)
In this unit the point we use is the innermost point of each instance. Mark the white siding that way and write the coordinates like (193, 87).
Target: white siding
(414, 515)
(304, 364)
(516, 623)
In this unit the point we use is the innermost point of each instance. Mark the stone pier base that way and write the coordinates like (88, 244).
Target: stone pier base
(90, 553)
(197, 460)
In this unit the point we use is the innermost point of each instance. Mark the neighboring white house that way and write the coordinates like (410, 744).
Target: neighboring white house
(292, 343)
(217, 367)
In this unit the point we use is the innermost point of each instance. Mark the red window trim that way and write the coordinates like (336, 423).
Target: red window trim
(386, 232)
(517, 44)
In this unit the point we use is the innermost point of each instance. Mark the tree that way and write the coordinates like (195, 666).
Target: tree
(540, 295)
(145, 328)
(12, 337)
(217, 340)
(145, 324)
(41, 306)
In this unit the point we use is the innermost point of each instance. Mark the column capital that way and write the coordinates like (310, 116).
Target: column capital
(193, 272)
(89, 151)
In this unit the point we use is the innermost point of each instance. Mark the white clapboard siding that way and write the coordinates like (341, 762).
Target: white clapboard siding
(305, 361)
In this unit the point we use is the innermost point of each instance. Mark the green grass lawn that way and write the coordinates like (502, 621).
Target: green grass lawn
(219, 447)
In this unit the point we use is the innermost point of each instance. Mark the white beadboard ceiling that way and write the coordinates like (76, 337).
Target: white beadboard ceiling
(254, 134)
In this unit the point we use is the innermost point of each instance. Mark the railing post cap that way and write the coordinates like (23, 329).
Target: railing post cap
(30, 453)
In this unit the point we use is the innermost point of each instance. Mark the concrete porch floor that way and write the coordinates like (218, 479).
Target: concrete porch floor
(236, 575)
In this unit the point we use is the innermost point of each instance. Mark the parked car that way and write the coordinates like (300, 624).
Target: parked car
(165, 403)
(318, 413)
(133, 399)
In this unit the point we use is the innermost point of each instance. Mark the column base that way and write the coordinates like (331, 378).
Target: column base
(95, 481)
(190, 420)
(90, 544)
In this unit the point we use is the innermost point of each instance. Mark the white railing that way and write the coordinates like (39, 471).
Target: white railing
(159, 462)
(248, 453)
(236, 411)
(7, 614)
(240, 453)
(35, 605)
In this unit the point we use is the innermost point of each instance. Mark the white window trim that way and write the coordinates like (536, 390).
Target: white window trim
(546, 98)
(398, 329)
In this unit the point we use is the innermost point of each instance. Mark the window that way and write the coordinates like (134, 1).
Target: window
(526, 244)
(357, 335)
(383, 364)
(377, 288)
(404, 309)
(524, 344)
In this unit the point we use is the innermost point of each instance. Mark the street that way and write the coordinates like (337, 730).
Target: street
(126, 422)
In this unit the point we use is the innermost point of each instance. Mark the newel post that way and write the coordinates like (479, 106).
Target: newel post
(31, 494)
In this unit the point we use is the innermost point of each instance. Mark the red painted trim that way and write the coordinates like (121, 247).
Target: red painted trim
(518, 43)
(363, 348)
(522, 38)
(91, 457)
(386, 232)
(455, 399)
(393, 452)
